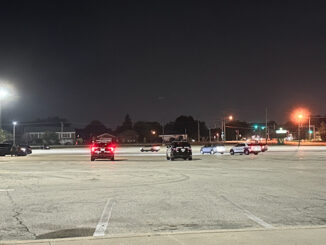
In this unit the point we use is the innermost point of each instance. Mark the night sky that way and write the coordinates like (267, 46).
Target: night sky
(155, 60)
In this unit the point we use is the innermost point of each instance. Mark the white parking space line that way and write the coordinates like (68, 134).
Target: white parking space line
(105, 219)
(251, 215)
(5, 190)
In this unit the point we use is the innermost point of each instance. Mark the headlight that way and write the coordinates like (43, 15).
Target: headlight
(23, 149)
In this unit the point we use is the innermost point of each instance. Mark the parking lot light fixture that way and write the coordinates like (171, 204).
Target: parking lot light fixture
(14, 123)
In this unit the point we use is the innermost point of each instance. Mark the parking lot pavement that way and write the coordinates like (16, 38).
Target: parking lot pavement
(52, 195)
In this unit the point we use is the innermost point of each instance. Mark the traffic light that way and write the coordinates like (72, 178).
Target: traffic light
(263, 127)
(255, 126)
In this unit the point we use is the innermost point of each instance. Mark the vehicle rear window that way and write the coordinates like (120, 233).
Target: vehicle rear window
(181, 144)
(101, 144)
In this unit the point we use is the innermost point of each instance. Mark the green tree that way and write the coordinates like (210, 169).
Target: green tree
(5, 135)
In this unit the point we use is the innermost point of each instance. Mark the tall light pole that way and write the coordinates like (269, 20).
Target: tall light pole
(230, 118)
(3, 94)
(14, 123)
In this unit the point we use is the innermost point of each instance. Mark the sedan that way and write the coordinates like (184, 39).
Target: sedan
(213, 149)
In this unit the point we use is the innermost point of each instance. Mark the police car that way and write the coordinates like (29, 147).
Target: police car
(244, 148)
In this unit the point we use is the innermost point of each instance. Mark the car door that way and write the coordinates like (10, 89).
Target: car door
(236, 148)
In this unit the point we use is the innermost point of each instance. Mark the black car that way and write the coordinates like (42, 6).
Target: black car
(5, 149)
(9, 149)
(102, 150)
(179, 149)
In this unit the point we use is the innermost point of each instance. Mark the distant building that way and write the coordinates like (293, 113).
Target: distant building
(173, 137)
(34, 134)
(106, 137)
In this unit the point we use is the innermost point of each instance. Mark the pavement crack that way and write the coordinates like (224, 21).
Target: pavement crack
(17, 215)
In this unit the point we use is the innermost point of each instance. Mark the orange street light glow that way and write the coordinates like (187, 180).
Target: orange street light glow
(300, 115)
(230, 118)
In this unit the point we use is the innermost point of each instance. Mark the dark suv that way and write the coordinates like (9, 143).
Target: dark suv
(102, 150)
(179, 149)
(9, 149)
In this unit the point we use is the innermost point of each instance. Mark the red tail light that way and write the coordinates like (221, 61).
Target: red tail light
(93, 148)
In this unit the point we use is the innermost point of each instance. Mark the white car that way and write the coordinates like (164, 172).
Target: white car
(244, 148)
(151, 148)
(212, 149)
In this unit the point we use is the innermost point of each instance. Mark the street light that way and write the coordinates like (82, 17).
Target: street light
(14, 123)
(3, 94)
(230, 118)
(299, 116)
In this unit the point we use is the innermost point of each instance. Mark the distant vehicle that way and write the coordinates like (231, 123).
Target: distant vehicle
(27, 149)
(9, 149)
(244, 148)
(102, 150)
(151, 148)
(179, 149)
(212, 149)
(46, 147)
(5, 149)
(264, 147)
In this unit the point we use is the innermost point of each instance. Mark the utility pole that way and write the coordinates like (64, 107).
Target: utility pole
(198, 131)
(266, 125)
(61, 130)
(209, 133)
(309, 130)
(0, 113)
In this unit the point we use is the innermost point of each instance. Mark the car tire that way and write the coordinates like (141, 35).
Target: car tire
(172, 158)
(256, 153)
(92, 159)
(189, 158)
(222, 153)
(112, 158)
(246, 152)
(142, 150)
(232, 152)
(167, 158)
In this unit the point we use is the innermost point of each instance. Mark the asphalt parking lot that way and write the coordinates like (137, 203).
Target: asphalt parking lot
(61, 193)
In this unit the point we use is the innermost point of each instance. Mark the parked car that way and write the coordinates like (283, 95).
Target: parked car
(5, 149)
(212, 149)
(9, 149)
(151, 148)
(179, 149)
(244, 148)
(26, 148)
(264, 147)
(102, 150)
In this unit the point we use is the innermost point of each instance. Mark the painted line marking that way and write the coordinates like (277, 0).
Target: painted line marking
(251, 215)
(5, 190)
(105, 218)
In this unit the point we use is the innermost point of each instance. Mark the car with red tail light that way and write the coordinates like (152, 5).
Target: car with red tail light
(102, 150)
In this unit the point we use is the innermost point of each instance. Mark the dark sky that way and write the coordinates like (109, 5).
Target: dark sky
(86, 60)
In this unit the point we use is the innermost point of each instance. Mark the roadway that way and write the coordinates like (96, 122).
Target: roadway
(60, 193)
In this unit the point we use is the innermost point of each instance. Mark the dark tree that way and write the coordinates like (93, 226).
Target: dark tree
(148, 130)
(95, 128)
(126, 125)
